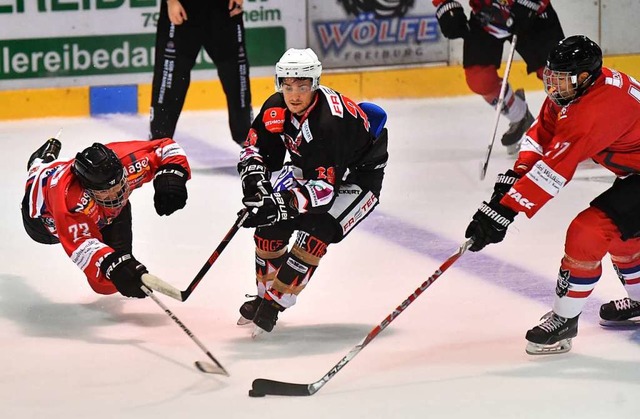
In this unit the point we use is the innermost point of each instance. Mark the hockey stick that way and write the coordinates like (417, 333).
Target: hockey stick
(202, 366)
(263, 386)
(165, 288)
(503, 91)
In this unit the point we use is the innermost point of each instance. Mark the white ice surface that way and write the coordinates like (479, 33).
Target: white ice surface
(456, 352)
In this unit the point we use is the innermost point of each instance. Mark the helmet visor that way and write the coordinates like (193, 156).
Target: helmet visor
(114, 197)
(560, 86)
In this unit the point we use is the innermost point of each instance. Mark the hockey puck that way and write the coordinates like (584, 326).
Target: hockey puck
(253, 393)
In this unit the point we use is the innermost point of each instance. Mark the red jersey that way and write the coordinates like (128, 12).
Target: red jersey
(67, 210)
(603, 124)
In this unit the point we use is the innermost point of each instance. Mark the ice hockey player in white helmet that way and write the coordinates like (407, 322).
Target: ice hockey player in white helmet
(329, 183)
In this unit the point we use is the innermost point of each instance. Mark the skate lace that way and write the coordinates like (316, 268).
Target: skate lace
(626, 304)
(552, 323)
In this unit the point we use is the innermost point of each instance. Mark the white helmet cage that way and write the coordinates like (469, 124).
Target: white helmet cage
(298, 63)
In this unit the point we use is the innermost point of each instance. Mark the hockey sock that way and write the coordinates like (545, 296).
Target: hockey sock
(267, 264)
(576, 281)
(629, 273)
(297, 270)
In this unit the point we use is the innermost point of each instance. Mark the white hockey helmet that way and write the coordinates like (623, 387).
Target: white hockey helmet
(298, 63)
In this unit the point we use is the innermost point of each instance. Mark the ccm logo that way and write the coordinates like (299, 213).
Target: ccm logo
(517, 196)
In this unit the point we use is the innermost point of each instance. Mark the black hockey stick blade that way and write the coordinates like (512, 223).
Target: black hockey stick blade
(263, 386)
(209, 368)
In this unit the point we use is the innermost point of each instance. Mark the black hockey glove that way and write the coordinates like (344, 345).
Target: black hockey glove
(272, 209)
(523, 12)
(452, 19)
(489, 225)
(504, 182)
(255, 178)
(170, 184)
(125, 272)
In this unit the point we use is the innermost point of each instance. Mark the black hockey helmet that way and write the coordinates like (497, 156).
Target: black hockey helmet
(572, 56)
(101, 173)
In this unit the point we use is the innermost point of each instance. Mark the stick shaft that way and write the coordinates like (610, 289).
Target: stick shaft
(265, 386)
(503, 91)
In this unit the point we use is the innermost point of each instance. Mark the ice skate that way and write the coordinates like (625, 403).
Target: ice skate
(552, 336)
(248, 310)
(620, 313)
(267, 314)
(512, 138)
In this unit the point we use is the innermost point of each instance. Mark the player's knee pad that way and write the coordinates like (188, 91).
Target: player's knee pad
(483, 80)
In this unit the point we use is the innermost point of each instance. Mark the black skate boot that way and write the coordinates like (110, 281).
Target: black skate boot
(621, 312)
(513, 137)
(248, 310)
(553, 335)
(267, 315)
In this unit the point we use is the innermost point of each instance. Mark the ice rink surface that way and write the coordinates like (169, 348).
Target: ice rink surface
(456, 352)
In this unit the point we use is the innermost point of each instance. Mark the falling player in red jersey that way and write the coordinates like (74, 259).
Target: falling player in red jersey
(330, 182)
(83, 204)
(491, 23)
(590, 112)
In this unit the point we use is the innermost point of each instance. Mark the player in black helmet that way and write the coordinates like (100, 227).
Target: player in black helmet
(83, 204)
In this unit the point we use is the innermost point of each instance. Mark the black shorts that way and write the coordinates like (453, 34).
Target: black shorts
(621, 203)
(534, 44)
(35, 227)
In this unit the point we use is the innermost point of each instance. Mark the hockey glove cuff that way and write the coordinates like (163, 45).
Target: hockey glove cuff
(523, 12)
(489, 225)
(255, 178)
(452, 19)
(125, 272)
(170, 186)
(504, 182)
(271, 209)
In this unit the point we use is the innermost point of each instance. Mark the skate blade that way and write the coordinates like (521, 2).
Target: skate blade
(620, 324)
(560, 347)
(256, 332)
(243, 322)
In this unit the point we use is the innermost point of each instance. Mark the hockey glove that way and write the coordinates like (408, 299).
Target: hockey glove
(504, 182)
(489, 225)
(452, 19)
(278, 206)
(523, 12)
(255, 178)
(125, 272)
(171, 189)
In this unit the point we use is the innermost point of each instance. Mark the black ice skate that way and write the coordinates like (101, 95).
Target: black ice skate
(248, 310)
(513, 137)
(552, 336)
(620, 313)
(266, 316)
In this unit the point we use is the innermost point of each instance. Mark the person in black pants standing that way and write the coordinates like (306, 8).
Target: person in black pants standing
(185, 26)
